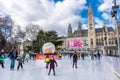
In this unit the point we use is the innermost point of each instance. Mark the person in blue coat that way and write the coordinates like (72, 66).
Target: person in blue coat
(13, 55)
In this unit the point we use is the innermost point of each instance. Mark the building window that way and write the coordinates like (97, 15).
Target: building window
(92, 41)
(110, 43)
(90, 28)
(96, 43)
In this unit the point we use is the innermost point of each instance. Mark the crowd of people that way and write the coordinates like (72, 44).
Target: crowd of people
(50, 61)
(13, 55)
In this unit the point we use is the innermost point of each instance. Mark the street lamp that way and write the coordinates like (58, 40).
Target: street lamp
(114, 14)
(104, 43)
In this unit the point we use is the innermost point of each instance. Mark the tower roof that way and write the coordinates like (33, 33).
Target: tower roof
(69, 26)
(104, 24)
(90, 8)
(79, 24)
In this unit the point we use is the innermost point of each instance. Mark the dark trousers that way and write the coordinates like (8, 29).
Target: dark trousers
(2, 64)
(47, 64)
(82, 57)
(75, 64)
(50, 71)
(98, 57)
(20, 64)
(92, 56)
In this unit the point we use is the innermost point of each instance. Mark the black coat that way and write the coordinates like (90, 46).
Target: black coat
(75, 58)
(52, 63)
(13, 54)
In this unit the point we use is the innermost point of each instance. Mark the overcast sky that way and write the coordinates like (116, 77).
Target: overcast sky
(57, 14)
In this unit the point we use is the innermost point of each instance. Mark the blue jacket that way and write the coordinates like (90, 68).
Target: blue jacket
(13, 54)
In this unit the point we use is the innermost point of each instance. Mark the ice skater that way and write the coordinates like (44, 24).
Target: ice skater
(98, 55)
(47, 60)
(83, 56)
(92, 55)
(75, 58)
(13, 55)
(27, 57)
(1, 60)
(24, 57)
(20, 62)
(52, 64)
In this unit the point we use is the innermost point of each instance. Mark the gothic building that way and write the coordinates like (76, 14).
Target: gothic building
(100, 38)
(69, 31)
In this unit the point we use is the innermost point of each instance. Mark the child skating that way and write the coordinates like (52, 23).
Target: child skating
(47, 60)
(20, 62)
(52, 64)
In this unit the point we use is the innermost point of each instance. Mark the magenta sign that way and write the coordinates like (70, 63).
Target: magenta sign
(75, 43)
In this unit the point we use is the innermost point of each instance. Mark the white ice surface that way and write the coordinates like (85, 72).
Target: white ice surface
(35, 70)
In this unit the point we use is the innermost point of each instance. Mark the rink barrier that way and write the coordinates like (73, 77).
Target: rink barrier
(42, 57)
(112, 69)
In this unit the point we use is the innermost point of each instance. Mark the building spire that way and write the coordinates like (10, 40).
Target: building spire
(90, 8)
(105, 26)
(91, 28)
(79, 30)
(79, 24)
(69, 30)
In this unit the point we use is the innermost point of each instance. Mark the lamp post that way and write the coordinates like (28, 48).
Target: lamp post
(104, 41)
(114, 14)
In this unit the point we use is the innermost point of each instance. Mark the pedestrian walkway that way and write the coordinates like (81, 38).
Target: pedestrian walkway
(35, 70)
(114, 64)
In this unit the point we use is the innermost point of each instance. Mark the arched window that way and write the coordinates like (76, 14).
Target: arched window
(90, 28)
(110, 42)
(92, 41)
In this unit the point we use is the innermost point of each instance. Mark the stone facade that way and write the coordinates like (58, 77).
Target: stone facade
(70, 31)
(92, 37)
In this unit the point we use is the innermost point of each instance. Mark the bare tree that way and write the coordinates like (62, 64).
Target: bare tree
(6, 27)
(31, 32)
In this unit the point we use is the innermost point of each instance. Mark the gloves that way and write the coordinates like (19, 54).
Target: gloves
(56, 65)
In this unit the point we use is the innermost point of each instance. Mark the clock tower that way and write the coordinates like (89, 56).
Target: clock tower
(91, 29)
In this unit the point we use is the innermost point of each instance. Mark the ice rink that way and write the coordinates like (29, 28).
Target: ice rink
(35, 70)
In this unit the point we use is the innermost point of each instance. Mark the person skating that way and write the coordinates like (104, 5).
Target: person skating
(92, 55)
(20, 62)
(83, 56)
(27, 57)
(98, 55)
(47, 60)
(13, 55)
(52, 64)
(78, 56)
(60, 55)
(23, 57)
(75, 58)
(1, 61)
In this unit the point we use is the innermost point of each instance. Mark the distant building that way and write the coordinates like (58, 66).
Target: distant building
(100, 38)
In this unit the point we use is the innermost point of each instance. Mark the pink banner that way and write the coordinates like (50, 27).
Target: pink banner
(75, 43)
